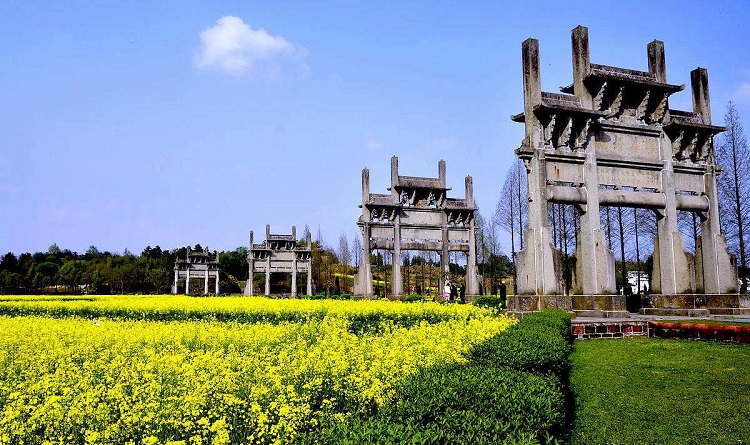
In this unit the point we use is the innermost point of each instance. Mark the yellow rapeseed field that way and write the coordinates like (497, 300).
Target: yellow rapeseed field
(68, 377)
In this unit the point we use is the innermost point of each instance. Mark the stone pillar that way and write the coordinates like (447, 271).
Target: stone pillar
(294, 278)
(674, 276)
(176, 278)
(472, 284)
(538, 264)
(187, 279)
(671, 274)
(309, 265)
(595, 262)
(394, 175)
(250, 274)
(365, 269)
(216, 285)
(444, 255)
(581, 64)
(656, 61)
(268, 275)
(718, 268)
(205, 281)
(397, 286)
(250, 268)
(363, 285)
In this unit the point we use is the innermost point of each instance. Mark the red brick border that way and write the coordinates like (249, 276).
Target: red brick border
(700, 331)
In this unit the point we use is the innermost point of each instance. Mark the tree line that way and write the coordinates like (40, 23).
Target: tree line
(64, 271)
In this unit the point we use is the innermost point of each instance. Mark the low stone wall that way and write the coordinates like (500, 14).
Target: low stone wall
(583, 330)
(695, 305)
(600, 306)
(530, 303)
(700, 331)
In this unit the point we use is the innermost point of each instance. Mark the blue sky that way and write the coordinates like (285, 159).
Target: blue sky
(176, 122)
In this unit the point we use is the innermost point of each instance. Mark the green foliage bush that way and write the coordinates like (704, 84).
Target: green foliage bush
(538, 343)
(512, 390)
(413, 298)
(462, 404)
(490, 301)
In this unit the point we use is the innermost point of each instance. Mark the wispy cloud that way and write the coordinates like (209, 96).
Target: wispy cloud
(742, 93)
(371, 144)
(232, 46)
(444, 144)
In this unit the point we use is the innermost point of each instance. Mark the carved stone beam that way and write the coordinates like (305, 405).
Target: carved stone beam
(640, 111)
(616, 108)
(599, 96)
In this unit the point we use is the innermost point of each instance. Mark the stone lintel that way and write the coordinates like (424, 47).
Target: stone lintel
(622, 127)
(633, 78)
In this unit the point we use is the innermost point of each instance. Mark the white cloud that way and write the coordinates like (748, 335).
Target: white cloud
(742, 93)
(234, 47)
(445, 144)
(371, 144)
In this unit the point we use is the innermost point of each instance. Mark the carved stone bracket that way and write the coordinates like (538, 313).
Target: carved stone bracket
(640, 111)
(582, 138)
(599, 96)
(657, 115)
(615, 109)
(678, 150)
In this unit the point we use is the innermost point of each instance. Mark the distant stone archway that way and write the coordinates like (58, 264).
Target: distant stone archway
(416, 215)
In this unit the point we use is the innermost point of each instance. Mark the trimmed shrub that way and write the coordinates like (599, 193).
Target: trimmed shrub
(540, 342)
(413, 298)
(463, 404)
(513, 390)
(490, 301)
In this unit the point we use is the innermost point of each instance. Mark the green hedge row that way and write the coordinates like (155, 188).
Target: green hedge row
(490, 301)
(540, 342)
(512, 390)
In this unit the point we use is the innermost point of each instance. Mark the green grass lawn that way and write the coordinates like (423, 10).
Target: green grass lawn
(652, 391)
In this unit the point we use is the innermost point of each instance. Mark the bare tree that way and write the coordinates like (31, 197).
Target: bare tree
(510, 212)
(733, 154)
(357, 251)
(345, 255)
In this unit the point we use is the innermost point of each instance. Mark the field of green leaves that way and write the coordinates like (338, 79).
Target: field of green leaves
(170, 369)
